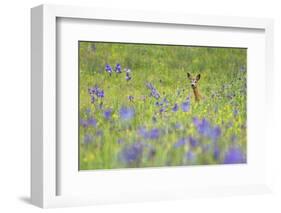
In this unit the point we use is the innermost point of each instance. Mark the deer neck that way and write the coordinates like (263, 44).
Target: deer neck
(196, 93)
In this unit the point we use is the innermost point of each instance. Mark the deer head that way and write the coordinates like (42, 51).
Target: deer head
(193, 80)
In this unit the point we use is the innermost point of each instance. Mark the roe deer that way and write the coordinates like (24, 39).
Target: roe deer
(194, 85)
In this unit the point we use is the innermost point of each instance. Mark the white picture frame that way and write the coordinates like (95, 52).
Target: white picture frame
(46, 161)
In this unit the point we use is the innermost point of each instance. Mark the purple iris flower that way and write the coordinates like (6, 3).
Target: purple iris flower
(180, 142)
(107, 114)
(193, 142)
(132, 153)
(175, 108)
(234, 155)
(88, 139)
(126, 113)
(92, 122)
(108, 69)
(191, 156)
(118, 68)
(83, 123)
(128, 77)
(204, 128)
(185, 106)
(154, 133)
(153, 91)
(216, 152)
(100, 93)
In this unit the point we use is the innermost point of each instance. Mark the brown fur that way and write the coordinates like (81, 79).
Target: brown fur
(194, 86)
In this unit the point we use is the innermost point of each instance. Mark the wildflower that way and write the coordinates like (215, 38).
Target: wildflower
(128, 77)
(92, 122)
(83, 123)
(216, 152)
(185, 106)
(234, 155)
(193, 142)
(175, 108)
(118, 68)
(153, 91)
(126, 113)
(87, 139)
(180, 142)
(191, 156)
(107, 114)
(100, 93)
(215, 133)
(178, 126)
(204, 128)
(131, 98)
(162, 109)
(93, 99)
(93, 90)
(108, 69)
(154, 133)
(132, 153)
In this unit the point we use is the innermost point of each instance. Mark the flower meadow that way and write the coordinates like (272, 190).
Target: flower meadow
(137, 108)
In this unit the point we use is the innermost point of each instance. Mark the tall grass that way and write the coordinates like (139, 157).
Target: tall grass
(124, 124)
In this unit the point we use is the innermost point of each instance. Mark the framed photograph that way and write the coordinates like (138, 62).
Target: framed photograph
(131, 106)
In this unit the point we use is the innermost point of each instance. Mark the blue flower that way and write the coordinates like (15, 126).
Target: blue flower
(88, 139)
(154, 133)
(215, 133)
(153, 91)
(185, 106)
(126, 113)
(191, 156)
(162, 109)
(175, 108)
(204, 128)
(83, 123)
(95, 91)
(100, 93)
(132, 153)
(216, 152)
(234, 155)
(92, 122)
(128, 77)
(180, 142)
(193, 142)
(118, 68)
(93, 99)
(108, 69)
(92, 90)
(107, 114)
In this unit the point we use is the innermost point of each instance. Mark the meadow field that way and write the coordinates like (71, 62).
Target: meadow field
(137, 108)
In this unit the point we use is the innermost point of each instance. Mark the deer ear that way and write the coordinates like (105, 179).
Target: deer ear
(198, 77)
(188, 75)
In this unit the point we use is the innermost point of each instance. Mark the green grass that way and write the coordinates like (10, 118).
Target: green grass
(115, 143)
